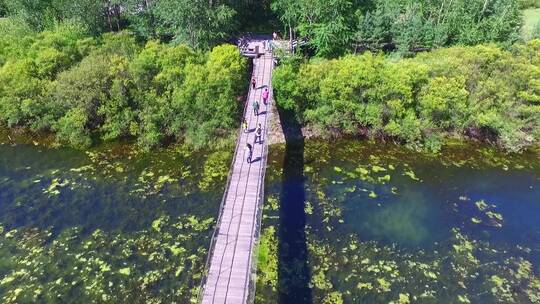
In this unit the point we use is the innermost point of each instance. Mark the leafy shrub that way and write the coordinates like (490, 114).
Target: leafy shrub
(110, 87)
(417, 101)
(71, 128)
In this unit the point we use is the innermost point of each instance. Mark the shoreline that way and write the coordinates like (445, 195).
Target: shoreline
(276, 136)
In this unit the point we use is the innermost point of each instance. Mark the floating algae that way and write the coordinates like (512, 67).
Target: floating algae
(411, 174)
(108, 226)
(431, 242)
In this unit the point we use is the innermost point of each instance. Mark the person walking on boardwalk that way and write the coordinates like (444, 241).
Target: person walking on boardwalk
(256, 108)
(253, 82)
(258, 134)
(265, 96)
(249, 149)
(245, 126)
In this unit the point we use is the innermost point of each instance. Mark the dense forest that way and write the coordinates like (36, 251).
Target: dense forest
(331, 27)
(159, 70)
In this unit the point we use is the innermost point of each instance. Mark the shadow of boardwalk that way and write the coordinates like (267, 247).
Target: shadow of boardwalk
(293, 271)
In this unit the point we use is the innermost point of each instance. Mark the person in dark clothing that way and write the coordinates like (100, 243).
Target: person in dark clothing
(258, 134)
(256, 108)
(253, 82)
(249, 149)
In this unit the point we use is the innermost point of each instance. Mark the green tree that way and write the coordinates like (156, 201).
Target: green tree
(72, 128)
(94, 15)
(15, 40)
(3, 9)
(85, 88)
(337, 26)
(327, 24)
(198, 23)
(39, 14)
(483, 91)
(141, 17)
(110, 87)
(17, 87)
(206, 105)
(118, 110)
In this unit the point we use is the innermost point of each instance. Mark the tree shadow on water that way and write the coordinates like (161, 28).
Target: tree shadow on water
(293, 271)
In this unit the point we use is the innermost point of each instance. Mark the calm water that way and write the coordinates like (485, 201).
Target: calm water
(383, 224)
(112, 225)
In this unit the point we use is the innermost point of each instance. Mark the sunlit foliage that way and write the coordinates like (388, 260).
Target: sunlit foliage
(112, 87)
(338, 26)
(483, 92)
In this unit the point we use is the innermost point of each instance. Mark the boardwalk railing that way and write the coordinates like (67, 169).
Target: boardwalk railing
(213, 267)
(260, 207)
(221, 207)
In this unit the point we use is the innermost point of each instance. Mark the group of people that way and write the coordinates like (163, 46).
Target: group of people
(268, 45)
(258, 131)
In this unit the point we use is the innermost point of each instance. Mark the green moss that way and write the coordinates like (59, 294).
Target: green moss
(377, 169)
(384, 285)
(125, 271)
(411, 174)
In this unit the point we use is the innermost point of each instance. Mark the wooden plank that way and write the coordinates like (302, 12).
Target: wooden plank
(230, 265)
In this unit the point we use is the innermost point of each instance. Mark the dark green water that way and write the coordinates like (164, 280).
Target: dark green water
(112, 225)
(343, 222)
(382, 224)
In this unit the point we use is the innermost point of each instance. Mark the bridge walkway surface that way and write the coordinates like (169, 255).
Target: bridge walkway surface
(230, 270)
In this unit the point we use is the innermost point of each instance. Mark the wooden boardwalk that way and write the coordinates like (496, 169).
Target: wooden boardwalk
(231, 265)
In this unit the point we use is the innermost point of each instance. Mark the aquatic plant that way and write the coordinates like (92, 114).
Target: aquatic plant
(114, 224)
(388, 249)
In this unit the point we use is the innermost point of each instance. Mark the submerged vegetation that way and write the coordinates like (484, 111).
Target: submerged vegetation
(112, 224)
(482, 92)
(154, 265)
(449, 228)
(450, 222)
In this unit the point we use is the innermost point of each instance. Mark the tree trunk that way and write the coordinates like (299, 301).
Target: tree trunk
(486, 2)
(117, 13)
(291, 38)
(440, 12)
(109, 15)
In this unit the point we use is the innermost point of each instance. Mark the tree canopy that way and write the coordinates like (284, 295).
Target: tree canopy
(332, 27)
(482, 91)
(336, 26)
(198, 23)
(112, 87)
